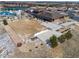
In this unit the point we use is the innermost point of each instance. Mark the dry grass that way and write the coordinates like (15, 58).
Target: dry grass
(57, 52)
(26, 26)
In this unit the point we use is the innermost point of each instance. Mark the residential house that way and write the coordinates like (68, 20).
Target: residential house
(50, 16)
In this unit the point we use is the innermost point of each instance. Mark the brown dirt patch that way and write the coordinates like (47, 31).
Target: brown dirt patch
(26, 26)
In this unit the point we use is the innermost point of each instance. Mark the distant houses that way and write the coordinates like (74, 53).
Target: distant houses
(50, 15)
(7, 6)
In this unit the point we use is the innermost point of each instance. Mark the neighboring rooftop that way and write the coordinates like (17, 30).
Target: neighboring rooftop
(7, 14)
(51, 26)
(46, 34)
(49, 15)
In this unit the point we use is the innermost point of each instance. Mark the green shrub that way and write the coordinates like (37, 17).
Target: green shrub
(68, 35)
(5, 22)
(53, 41)
(62, 38)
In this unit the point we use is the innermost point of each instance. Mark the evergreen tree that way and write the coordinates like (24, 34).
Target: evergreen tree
(53, 41)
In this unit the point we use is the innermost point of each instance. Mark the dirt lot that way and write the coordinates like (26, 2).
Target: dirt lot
(28, 27)
(68, 49)
(33, 52)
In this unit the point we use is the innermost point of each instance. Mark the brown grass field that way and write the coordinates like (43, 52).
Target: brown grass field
(28, 27)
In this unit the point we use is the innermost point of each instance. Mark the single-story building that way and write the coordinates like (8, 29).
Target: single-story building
(46, 34)
(50, 16)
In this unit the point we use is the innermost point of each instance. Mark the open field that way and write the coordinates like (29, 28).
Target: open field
(26, 27)
(69, 48)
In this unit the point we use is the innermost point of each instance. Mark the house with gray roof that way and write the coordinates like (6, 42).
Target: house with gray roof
(50, 15)
(46, 34)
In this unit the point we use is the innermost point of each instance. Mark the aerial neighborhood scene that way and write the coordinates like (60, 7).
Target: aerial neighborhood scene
(35, 29)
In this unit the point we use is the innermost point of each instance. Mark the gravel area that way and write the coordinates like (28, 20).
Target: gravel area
(33, 49)
(6, 43)
(42, 52)
(71, 47)
(68, 49)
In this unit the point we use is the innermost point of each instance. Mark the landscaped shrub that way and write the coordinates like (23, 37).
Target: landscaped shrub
(19, 44)
(68, 35)
(5, 22)
(53, 41)
(61, 39)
